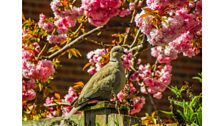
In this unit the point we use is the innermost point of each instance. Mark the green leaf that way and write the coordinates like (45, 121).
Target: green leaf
(177, 91)
(40, 86)
(181, 114)
(199, 77)
(195, 100)
(199, 116)
(180, 103)
(166, 112)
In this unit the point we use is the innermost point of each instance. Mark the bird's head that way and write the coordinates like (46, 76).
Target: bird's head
(116, 53)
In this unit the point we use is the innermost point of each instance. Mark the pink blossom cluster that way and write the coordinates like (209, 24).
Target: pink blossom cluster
(144, 23)
(40, 71)
(62, 27)
(28, 84)
(32, 69)
(64, 19)
(164, 54)
(99, 12)
(60, 11)
(97, 55)
(131, 6)
(181, 22)
(69, 98)
(122, 95)
(177, 32)
(127, 59)
(183, 44)
(28, 90)
(48, 26)
(153, 82)
(138, 103)
(175, 26)
(51, 111)
(27, 55)
(94, 59)
(63, 24)
(56, 39)
(161, 5)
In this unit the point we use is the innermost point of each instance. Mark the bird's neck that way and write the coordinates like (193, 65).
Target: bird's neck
(115, 60)
(118, 62)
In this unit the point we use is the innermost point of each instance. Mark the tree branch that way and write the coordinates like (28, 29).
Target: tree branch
(55, 104)
(101, 43)
(138, 49)
(155, 108)
(136, 38)
(131, 21)
(76, 31)
(43, 50)
(72, 43)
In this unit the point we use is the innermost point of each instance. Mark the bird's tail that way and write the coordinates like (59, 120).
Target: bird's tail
(74, 110)
(67, 116)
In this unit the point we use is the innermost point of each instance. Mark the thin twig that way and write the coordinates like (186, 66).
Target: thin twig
(72, 43)
(129, 28)
(98, 43)
(131, 21)
(43, 50)
(139, 48)
(56, 104)
(154, 67)
(77, 30)
(136, 38)
(155, 108)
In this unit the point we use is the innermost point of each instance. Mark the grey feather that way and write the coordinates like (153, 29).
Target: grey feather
(101, 86)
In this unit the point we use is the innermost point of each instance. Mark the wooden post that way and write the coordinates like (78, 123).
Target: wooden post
(105, 114)
(100, 114)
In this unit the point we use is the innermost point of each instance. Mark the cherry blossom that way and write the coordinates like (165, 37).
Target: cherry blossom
(138, 103)
(40, 71)
(99, 12)
(45, 69)
(95, 57)
(152, 84)
(56, 39)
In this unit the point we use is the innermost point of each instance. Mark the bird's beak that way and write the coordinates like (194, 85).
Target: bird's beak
(125, 53)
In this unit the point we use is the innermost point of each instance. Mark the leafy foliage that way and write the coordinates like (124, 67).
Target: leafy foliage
(186, 112)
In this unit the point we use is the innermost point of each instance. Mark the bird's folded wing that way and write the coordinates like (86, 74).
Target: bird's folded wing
(100, 84)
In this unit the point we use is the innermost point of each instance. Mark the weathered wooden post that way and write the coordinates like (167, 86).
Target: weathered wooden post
(105, 114)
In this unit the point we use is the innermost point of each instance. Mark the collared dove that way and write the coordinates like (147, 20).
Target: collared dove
(109, 80)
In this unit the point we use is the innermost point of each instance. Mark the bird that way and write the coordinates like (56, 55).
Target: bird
(109, 80)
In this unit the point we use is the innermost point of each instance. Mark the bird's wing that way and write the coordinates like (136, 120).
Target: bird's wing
(105, 85)
(100, 84)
